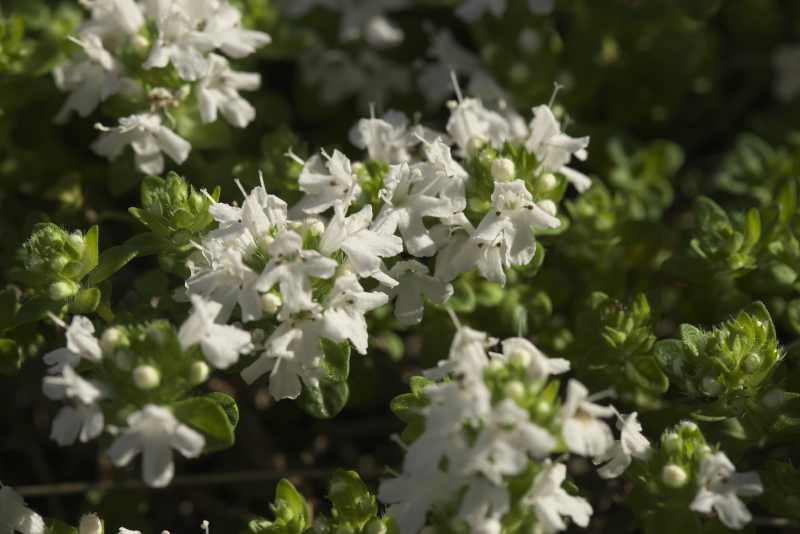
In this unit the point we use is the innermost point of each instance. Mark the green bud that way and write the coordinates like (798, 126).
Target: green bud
(752, 362)
(514, 390)
(375, 526)
(111, 339)
(671, 442)
(198, 373)
(146, 377)
(62, 290)
(674, 476)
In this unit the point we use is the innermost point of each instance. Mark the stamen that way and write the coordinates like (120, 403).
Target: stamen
(291, 155)
(556, 88)
(456, 87)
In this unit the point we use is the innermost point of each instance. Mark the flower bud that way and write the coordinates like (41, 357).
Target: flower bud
(671, 442)
(711, 386)
(752, 362)
(674, 476)
(521, 358)
(548, 181)
(475, 144)
(58, 263)
(264, 240)
(549, 206)
(514, 390)
(90, 524)
(110, 339)
(146, 377)
(375, 526)
(77, 242)
(270, 302)
(198, 373)
(503, 169)
(140, 42)
(62, 290)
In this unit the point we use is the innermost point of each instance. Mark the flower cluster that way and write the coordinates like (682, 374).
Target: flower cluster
(155, 54)
(397, 227)
(133, 382)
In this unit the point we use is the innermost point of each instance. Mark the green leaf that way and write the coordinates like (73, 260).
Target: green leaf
(336, 360)
(325, 399)
(36, 309)
(210, 418)
(86, 301)
(112, 260)
(352, 502)
(90, 252)
(227, 403)
(288, 494)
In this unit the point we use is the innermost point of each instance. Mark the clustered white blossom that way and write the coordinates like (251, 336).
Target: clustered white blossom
(188, 33)
(318, 267)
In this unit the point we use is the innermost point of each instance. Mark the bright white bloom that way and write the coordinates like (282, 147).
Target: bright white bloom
(631, 444)
(15, 516)
(364, 247)
(521, 351)
(224, 27)
(70, 385)
(326, 184)
(472, 125)
(720, 488)
(345, 310)
(467, 358)
(148, 138)
(219, 90)
(111, 17)
(80, 421)
(552, 504)
(555, 148)
(221, 344)
(292, 268)
(447, 178)
(90, 524)
(483, 506)
(472, 10)
(411, 496)
(154, 431)
(408, 197)
(386, 139)
(81, 343)
(414, 285)
(581, 429)
(291, 356)
(90, 79)
(506, 443)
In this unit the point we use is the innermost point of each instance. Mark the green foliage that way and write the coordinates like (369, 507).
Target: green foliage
(291, 511)
(215, 416)
(326, 398)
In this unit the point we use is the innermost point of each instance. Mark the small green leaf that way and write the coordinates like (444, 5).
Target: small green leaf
(90, 252)
(207, 416)
(86, 301)
(352, 502)
(227, 403)
(325, 399)
(286, 492)
(111, 261)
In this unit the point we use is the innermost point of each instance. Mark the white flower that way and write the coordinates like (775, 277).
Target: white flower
(90, 524)
(506, 442)
(221, 344)
(178, 43)
(90, 79)
(219, 90)
(411, 496)
(581, 429)
(523, 352)
(292, 268)
(224, 27)
(447, 178)
(720, 486)
(407, 199)
(555, 148)
(364, 247)
(154, 432)
(81, 343)
(414, 285)
(472, 10)
(15, 516)
(70, 385)
(471, 125)
(80, 421)
(467, 357)
(326, 184)
(631, 444)
(148, 138)
(291, 356)
(386, 139)
(110, 17)
(345, 310)
(551, 503)
(483, 505)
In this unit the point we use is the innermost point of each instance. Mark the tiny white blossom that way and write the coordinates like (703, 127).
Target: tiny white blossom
(364, 247)
(154, 431)
(720, 488)
(631, 444)
(70, 385)
(111, 17)
(345, 311)
(148, 138)
(407, 196)
(551, 503)
(80, 421)
(221, 344)
(555, 148)
(291, 268)
(581, 429)
(411, 496)
(81, 343)
(415, 284)
(15, 516)
(539, 367)
(471, 125)
(387, 138)
(218, 91)
(327, 183)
